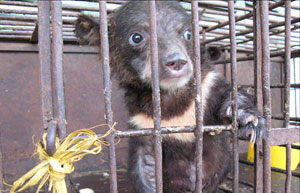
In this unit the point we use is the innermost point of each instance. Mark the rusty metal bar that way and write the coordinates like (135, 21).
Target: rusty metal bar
(273, 54)
(293, 146)
(288, 182)
(156, 97)
(57, 63)
(45, 61)
(15, 32)
(14, 38)
(297, 119)
(198, 100)
(282, 86)
(258, 159)
(168, 130)
(278, 136)
(295, 174)
(287, 61)
(233, 56)
(104, 50)
(257, 55)
(264, 16)
(44, 46)
(281, 136)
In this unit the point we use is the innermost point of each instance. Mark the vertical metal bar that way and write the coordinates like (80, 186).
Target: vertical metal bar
(288, 181)
(198, 100)
(104, 52)
(233, 56)
(44, 46)
(287, 91)
(264, 16)
(1, 167)
(45, 61)
(156, 97)
(287, 62)
(258, 161)
(257, 55)
(57, 62)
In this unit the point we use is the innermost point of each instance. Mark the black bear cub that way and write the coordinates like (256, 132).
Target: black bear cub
(130, 62)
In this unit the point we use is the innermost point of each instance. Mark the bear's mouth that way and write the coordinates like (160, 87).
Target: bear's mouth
(175, 80)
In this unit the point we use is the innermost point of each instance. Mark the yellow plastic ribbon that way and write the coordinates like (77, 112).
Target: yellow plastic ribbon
(54, 168)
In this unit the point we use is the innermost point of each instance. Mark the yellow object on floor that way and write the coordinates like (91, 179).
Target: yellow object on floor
(54, 168)
(278, 156)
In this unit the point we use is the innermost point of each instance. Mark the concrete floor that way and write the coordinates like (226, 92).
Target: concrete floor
(99, 181)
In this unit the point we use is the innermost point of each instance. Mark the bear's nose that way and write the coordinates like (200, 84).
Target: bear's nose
(175, 62)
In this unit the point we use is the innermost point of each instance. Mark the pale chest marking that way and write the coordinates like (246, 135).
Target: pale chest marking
(188, 118)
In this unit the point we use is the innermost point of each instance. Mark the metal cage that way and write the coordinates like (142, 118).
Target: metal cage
(51, 53)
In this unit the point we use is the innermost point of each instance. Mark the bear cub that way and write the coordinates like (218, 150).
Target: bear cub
(131, 64)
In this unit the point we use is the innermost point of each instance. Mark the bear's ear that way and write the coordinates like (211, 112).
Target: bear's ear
(214, 53)
(87, 30)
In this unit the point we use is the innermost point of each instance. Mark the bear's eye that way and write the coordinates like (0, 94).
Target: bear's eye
(187, 35)
(136, 39)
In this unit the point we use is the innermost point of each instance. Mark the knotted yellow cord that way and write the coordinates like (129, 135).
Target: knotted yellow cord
(54, 168)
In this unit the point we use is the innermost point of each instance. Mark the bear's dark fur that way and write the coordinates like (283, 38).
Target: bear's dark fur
(130, 62)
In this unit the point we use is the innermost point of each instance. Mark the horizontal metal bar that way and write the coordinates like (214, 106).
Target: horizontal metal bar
(28, 47)
(168, 130)
(273, 54)
(280, 136)
(272, 86)
(295, 174)
(21, 23)
(297, 119)
(293, 146)
(32, 18)
(282, 86)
